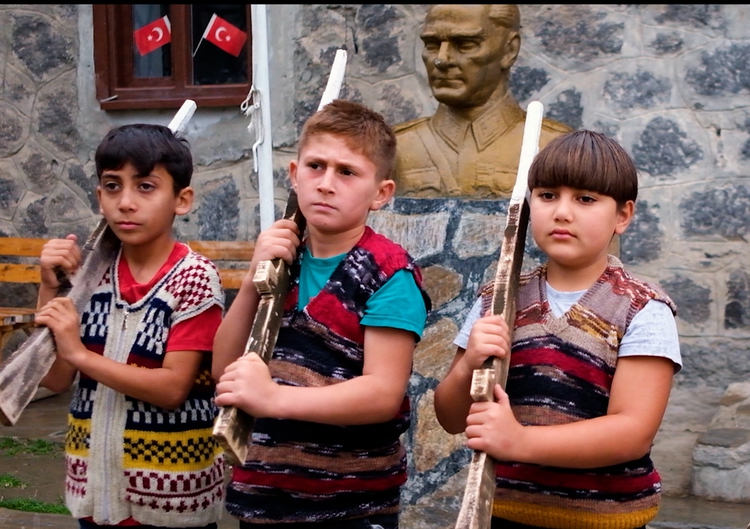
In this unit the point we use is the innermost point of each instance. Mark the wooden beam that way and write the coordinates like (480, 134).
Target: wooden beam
(20, 246)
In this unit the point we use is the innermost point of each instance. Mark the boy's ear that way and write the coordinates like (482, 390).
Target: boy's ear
(293, 174)
(386, 188)
(99, 199)
(184, 201)
(624, 216)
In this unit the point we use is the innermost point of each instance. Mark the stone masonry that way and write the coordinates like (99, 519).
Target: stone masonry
(670, 82)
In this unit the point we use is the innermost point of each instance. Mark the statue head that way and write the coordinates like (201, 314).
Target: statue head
(468, 51)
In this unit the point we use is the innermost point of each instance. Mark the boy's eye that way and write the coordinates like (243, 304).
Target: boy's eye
(314, 165)
(587, 199)
(147, 186)
(110, 186)
(546, 195)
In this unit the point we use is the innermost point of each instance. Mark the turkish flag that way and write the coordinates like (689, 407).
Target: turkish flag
(153, 36)
(229, 38)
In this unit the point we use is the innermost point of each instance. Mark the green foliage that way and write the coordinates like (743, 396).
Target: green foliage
(30, 505)
(11, 446)
(9, 481)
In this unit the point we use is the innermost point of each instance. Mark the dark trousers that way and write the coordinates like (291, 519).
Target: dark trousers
(499, 523)
(84, 524)
(386, 521)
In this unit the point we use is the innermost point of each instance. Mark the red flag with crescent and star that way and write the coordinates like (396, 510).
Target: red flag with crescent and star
(229, 38)
(153, 36)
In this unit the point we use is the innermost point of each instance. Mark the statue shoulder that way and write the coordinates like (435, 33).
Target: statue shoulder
(555, 127)
(407, 126)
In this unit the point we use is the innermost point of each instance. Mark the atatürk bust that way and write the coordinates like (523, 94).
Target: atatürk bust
(471, 145)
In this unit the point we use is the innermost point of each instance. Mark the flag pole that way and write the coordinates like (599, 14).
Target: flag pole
(262, 84)
(205, 33)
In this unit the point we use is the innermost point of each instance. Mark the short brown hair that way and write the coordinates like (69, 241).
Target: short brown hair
(586, 160)
(363, 130)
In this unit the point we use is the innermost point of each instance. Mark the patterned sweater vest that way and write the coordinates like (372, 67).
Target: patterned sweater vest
(300, 471)
(561, 371)
(126, 457)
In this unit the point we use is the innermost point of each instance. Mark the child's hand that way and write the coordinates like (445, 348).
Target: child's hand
(59, 253)
(492, 428)
(489, 337)
(247, 384)
(61, 317)
(279, 241)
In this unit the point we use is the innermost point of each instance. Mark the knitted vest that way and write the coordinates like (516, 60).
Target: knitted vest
(126, 457)
(299, 471)
(561, 371)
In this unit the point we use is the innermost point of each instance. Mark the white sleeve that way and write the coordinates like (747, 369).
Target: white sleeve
(462, 338)
(653, 332)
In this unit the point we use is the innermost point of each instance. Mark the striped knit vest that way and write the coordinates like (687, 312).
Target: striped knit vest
(561, 371)
(299, 471)
(126, 457)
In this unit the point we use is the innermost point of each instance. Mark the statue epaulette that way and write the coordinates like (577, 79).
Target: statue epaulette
(550, 125)
(408, 124)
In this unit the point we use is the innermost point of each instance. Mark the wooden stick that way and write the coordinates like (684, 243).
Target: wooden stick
(233, 426)
(21, 373)
(476, 507)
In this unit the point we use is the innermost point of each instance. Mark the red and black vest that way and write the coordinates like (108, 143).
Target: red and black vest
(299, 471)
(561, 371)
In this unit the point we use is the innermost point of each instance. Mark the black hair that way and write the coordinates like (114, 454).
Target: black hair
(145, 146)
(586, 160)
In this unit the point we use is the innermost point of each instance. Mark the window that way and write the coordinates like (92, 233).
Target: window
(188, 66)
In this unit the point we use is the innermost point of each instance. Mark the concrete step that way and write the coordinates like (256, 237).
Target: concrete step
(46, 418)
(695, 513)
(675, 513)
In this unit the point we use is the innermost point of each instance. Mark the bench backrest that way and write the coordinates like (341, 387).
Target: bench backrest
(232, 258)
(23, 248)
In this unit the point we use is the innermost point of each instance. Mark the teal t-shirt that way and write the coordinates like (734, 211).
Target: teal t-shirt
(397, 304)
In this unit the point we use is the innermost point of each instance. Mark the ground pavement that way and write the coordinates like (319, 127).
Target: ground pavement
(45, 419)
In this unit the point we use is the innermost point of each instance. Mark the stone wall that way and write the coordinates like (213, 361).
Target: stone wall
(670, 82)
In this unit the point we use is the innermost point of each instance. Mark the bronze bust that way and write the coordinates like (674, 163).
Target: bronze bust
(471, 145)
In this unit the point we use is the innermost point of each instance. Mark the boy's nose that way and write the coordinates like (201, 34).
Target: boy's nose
(563, 211)
(126, 199)
(325, 184)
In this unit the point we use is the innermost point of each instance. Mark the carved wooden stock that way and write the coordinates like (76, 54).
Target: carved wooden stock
(233, 426)
(476, 506)
(21, 373)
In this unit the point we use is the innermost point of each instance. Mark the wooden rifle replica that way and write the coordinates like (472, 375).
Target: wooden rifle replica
(233, 426)
(476, 507)
(22, 371)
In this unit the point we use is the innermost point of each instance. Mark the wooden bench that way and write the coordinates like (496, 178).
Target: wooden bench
(232, 258)
(24, 252)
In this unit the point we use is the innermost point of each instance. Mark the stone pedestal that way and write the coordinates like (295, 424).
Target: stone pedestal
(721, 457)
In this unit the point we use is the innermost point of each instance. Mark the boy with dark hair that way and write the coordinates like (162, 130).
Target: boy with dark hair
(139, 448)
(592, 357)
(331, 404)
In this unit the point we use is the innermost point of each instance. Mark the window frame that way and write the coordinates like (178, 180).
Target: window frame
(116, 87)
